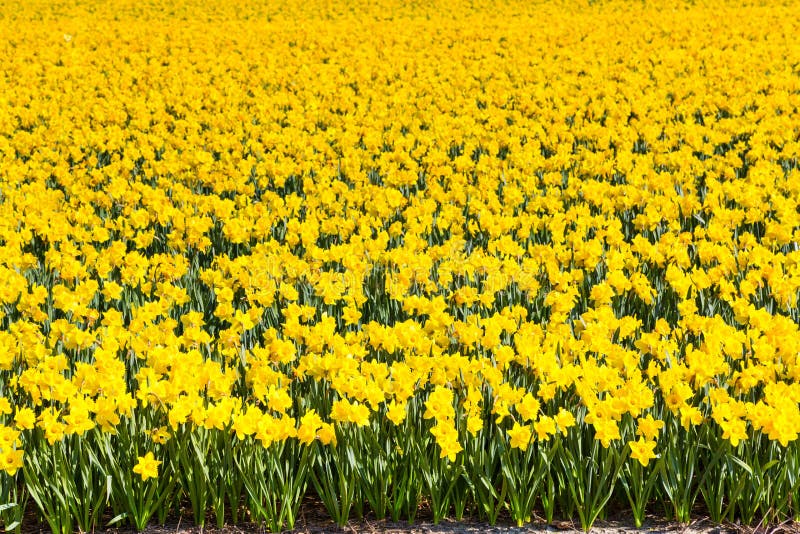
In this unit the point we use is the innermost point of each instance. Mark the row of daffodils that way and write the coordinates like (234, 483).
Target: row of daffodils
(512, 262)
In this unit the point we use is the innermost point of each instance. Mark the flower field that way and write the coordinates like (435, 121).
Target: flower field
(505, 261)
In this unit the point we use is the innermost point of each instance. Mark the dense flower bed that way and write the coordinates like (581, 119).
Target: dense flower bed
(506, 258)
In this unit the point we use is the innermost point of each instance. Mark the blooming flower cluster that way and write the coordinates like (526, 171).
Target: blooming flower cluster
(289, 228)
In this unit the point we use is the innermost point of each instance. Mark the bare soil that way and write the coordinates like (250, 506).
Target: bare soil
(313, 519)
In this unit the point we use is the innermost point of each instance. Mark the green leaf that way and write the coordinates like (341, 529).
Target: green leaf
(117, 519)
